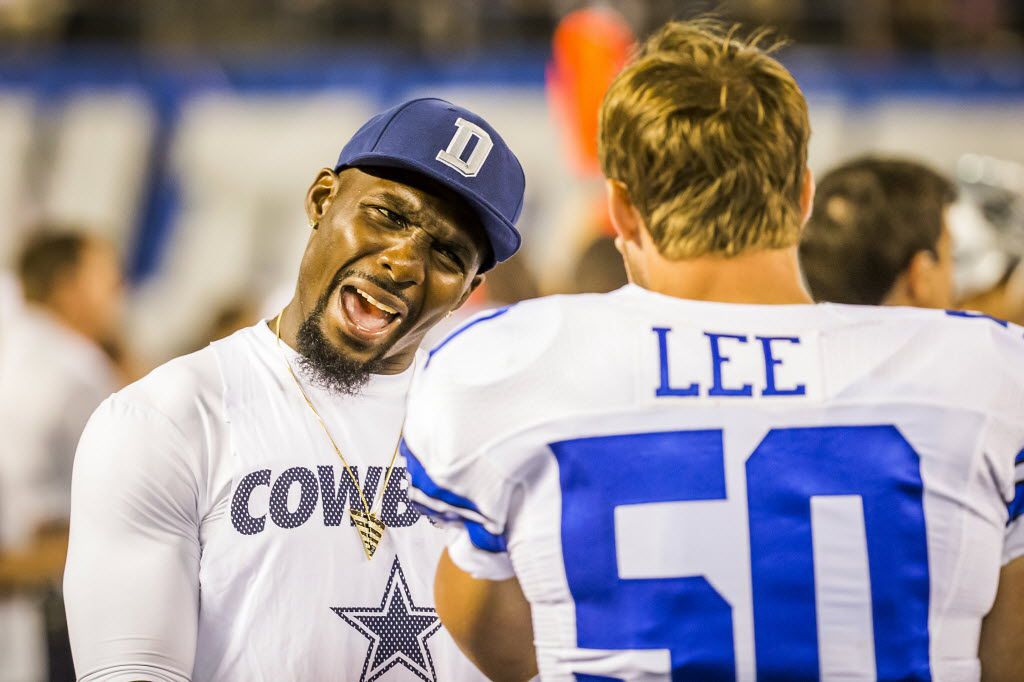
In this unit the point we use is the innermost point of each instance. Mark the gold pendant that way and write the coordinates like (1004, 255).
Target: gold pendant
(371, 530)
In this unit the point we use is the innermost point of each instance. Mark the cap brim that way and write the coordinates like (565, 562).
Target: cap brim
(504, 237)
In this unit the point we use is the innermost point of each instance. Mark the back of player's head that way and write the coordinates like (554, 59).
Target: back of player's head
(46, 258)
(871, 216)
(708, 133)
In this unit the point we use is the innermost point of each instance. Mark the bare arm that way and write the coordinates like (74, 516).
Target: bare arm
(489, 620)
(1002, 632)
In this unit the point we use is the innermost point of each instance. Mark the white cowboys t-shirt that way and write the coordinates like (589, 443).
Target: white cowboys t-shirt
(211, 537)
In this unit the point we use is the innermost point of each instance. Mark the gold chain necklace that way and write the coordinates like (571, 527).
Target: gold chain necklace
(367, 524)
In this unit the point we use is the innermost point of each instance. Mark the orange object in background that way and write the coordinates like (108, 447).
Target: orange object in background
(588, 49)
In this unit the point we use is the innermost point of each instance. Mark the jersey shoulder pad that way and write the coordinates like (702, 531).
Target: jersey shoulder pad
(177, 387)
(497, 344)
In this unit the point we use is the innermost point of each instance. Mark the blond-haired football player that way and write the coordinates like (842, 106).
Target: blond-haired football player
(704, 475)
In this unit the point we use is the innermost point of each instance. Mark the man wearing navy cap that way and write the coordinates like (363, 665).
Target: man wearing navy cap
(241, 512)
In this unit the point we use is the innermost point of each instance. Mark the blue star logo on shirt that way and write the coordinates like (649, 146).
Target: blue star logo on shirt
(397, 631)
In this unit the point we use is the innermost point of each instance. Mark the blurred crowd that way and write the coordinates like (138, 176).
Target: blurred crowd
(446, 26)
(79, 318)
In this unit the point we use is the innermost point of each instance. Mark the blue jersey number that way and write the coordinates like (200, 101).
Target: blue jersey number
(790, 466)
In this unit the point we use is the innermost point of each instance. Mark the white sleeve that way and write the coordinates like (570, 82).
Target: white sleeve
(1010, 352)
(479, 563)
(449, 424)
(477, 540)
(1013, 544)
(131, 586)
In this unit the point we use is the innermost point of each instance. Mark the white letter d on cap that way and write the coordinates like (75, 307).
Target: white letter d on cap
(457, 148)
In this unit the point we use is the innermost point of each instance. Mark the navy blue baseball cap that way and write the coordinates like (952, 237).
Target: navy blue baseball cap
(456, 148)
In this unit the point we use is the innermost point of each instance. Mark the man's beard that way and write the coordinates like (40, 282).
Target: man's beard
(326, 366)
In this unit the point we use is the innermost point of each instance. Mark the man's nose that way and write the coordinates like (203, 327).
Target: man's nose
(404, 260)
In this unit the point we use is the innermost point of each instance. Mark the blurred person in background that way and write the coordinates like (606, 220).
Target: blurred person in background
(234, 315)
(1004, 300)
(210, 539)
(599, 268)
(53, 373)
(988, 231)
(879, 235)
(10, 303)
(588, 48)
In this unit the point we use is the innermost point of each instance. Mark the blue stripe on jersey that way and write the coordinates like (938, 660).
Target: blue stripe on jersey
(1016, 508)
(1020, 458)
(971, 314)
(478, 535)
(485, 540)
(448, 339)
(421, 479)
(448, 517)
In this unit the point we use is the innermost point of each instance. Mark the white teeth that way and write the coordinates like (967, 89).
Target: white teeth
(388, 309)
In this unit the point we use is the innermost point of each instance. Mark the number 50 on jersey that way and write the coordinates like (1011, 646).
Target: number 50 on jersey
(838, 558)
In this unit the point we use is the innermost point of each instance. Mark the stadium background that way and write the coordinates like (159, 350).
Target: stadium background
(187, 132)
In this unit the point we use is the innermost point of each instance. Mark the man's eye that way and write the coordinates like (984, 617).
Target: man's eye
(452, 258)
(396, 218)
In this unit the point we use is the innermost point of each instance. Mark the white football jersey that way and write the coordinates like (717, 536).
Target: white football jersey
(701, 491)
(211, 531)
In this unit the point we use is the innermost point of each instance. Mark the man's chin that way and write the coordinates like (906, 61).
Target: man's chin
(358, 347)
(333, 361)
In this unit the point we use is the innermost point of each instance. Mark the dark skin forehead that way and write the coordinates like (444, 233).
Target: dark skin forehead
(425, 203)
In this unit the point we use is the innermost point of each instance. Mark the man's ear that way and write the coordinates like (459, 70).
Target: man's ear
(625, 216)
(321, 192)
(919, 278)
(807, 189)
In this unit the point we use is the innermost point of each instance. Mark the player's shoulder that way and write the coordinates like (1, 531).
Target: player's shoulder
(996, 343)
(952, 328)
(176, 382)
(495, 373)
(513, 337)
(1001, 335)
(966, 357)
(183, 392)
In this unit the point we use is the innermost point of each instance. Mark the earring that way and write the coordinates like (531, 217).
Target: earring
(313, 223)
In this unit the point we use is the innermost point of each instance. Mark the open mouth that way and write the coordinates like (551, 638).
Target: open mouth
(367, 317)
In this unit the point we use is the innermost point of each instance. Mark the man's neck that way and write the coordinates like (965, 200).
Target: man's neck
(289, 319)
(770, 277)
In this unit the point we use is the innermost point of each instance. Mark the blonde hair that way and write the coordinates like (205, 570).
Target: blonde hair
(709, 134)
